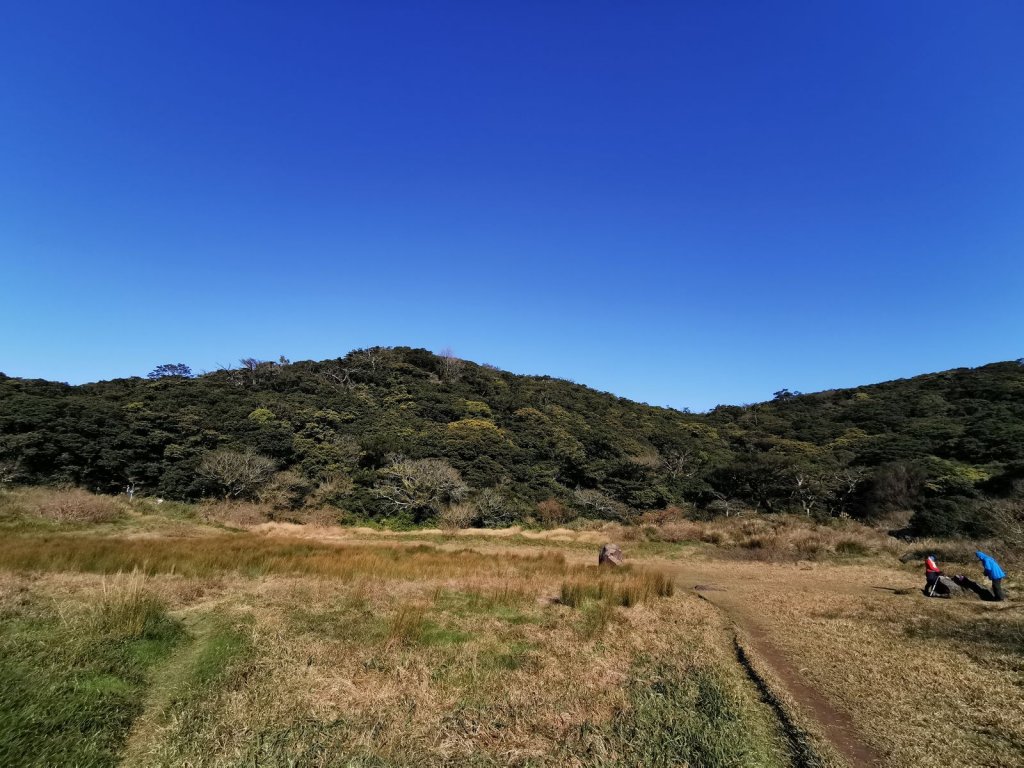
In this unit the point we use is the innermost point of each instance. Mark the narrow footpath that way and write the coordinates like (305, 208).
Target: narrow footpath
(836, 726)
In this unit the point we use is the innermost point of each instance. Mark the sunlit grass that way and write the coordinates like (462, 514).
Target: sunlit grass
(254, 555)
(72, 682)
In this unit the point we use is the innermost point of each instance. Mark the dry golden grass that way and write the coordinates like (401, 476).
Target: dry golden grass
(255, 555)
(323, 645)
(385, 655)
(776, 538)
(435, 673)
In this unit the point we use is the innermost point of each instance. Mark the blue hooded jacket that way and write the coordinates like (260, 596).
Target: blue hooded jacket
(992, 569)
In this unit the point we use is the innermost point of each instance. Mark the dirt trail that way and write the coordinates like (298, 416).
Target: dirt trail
(835, 725)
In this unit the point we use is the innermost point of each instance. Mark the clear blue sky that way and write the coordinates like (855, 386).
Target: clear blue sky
(683, 203)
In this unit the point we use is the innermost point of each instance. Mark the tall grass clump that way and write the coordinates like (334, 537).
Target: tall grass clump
(852, 548)
(127, 609)
(475, 601)
(626, 591)
(597, 615)
(408, 625)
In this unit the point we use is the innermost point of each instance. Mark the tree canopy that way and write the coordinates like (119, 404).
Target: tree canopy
(399, 431)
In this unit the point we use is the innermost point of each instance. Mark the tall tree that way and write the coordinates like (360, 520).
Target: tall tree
(179, 370)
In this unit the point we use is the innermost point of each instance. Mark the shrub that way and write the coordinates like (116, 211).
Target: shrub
(236, 474)
(457, 516)
(286, 490)
(78, 506)
(552, 513)
(332, 491)
(321, 518)
(1005, 518)
(420, 488)
(717, 538)
(593, 503)
(496, 511)
(664, 516)
(674, 533)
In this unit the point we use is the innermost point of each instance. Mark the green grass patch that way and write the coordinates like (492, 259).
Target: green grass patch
(221, 648)
(70, 689)
(595, 616)
(696, 716)
(509, 658)
(191, 690)
(506, 604)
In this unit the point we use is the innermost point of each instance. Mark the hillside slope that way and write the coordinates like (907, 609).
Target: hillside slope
(402, 433)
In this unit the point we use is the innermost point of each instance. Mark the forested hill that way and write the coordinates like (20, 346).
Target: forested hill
(403, 434)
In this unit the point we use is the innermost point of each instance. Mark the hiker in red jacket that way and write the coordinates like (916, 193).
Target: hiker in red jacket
(932, 572)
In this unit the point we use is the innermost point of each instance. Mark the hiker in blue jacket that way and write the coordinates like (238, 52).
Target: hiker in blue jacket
(994, 572)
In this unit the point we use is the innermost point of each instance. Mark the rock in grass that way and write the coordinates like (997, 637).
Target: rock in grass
(611, 554)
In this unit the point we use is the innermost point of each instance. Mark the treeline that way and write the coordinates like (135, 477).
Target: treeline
(402, 434)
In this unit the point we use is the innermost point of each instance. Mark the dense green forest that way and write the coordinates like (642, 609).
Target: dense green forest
(400, 434)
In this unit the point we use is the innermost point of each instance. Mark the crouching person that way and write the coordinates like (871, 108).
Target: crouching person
(993, 572)
(932, 573)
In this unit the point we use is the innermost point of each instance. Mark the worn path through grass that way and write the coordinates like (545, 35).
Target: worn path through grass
(166, 685)
(836, 726)
(888, 676)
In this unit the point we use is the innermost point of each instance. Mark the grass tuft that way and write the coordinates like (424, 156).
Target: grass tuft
(852, 547)
(127, 609)
(626, 591)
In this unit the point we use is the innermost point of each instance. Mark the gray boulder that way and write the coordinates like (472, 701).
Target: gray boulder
(611, 554)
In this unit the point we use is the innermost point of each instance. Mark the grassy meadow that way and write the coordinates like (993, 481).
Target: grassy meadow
(166, 635)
